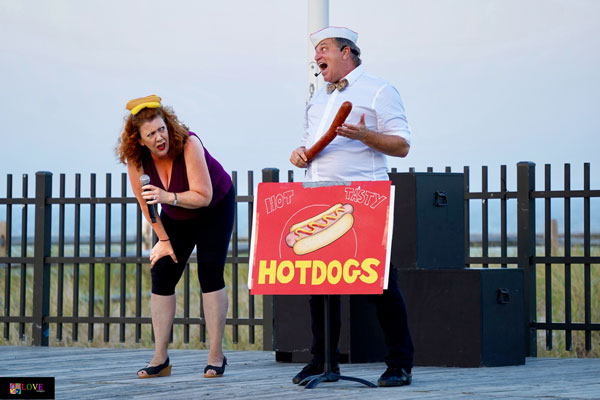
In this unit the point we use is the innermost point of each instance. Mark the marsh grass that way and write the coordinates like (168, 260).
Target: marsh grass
(196, 332)
(545, 349)
(557, 347)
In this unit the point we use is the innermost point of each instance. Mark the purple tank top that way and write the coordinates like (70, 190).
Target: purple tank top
(221, 182)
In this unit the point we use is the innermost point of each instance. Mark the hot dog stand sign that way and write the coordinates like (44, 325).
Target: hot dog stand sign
(321, 238)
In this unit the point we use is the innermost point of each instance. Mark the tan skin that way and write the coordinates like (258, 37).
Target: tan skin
(334, 65)
(155, 137)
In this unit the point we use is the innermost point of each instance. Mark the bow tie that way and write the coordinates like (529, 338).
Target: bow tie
(341, 85)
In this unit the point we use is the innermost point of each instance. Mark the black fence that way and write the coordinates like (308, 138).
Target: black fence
(46, 250)
(528, 255)
(45, 256)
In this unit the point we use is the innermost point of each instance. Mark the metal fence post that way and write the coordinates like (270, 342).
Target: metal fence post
(41, 269)
(269, 175)
(526, 249)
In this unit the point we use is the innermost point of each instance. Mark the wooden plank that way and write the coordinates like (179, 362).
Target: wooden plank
(93, 373)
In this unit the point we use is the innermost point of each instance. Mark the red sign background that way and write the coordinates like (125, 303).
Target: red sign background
(356, 262)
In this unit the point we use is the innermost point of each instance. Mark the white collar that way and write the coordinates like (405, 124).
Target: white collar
(353, 75)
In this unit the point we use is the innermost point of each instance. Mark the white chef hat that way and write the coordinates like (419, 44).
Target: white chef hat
(333, 32)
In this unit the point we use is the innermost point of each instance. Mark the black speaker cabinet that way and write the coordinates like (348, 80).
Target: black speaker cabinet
(457, 318)
(465, 318)
(361, 338)
(429, 223)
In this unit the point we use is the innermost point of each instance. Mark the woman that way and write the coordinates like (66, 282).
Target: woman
(198, 201)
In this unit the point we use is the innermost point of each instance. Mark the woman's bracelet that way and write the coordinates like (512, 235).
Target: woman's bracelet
(165, 240)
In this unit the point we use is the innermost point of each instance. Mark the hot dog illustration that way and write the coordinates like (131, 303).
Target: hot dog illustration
(320, 230)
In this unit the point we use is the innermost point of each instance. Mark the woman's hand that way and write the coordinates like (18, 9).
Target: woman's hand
(155, 195)
(160, 250)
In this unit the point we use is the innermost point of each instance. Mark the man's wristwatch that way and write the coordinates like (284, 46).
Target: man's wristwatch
(175, 201)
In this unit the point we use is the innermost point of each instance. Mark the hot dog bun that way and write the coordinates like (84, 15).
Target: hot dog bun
(320, 230)
(324, 237)
(315, 218)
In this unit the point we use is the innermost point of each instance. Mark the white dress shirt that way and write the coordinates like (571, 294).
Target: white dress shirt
(346, 159)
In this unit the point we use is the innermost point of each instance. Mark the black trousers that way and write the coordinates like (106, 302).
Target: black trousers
(392, 316)
(210, 233)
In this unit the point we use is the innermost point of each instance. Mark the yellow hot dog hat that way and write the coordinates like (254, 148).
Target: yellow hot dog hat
(136, 105)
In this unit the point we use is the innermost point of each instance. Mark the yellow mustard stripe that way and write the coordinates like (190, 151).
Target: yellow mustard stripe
(314, 224)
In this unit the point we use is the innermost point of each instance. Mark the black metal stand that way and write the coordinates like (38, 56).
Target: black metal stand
(328, 375)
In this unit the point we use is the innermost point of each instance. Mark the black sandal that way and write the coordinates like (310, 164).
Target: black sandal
(219, 370)
(155, 371)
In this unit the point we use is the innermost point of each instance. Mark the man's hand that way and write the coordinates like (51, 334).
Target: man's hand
(390, 145)
(298, 157)
(354, 132)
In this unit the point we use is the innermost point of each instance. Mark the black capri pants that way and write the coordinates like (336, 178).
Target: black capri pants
(210, 233)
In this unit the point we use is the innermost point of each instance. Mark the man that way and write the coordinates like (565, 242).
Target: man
(376, 127)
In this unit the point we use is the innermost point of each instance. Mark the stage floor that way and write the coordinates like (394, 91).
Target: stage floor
(107, 373)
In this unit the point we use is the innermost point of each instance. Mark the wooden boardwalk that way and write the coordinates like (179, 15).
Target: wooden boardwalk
(93, 373)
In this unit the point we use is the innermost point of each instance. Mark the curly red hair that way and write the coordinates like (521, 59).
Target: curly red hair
(129, 148)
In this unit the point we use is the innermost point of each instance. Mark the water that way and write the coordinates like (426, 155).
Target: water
(577, 220)
(557, 211)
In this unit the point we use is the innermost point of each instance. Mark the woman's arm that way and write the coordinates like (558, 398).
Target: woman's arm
(200, 186)
(163, 246)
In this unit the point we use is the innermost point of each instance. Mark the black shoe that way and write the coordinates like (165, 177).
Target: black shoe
(155, 371)
(395, 377)
(315, 368)
(219, 371)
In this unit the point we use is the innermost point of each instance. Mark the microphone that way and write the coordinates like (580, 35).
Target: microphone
(145, 180)
(318, 73)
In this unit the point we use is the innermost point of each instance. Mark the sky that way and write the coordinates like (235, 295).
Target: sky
(488, 83)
